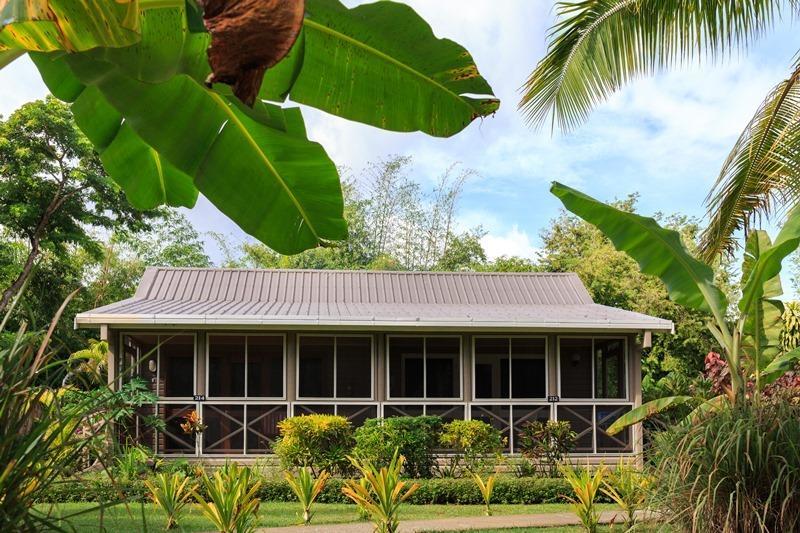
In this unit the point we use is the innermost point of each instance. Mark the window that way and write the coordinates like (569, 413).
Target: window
(166, 362)
(264, 366)
(510, 367)
(334, 367)
(609, 367)
(424, 367)
(245, 366)
(592, 368)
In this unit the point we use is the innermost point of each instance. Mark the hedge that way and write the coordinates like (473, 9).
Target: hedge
(440, 490)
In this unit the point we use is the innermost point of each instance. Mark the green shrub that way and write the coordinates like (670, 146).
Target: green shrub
(415, 437)
(135, 462)
(736, 470)
(319, 442)
(474, 445)
(507, 489)
(546, 444)
(178, 466)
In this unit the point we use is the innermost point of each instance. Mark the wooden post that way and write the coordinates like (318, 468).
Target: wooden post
(635, 380)
(107, 335)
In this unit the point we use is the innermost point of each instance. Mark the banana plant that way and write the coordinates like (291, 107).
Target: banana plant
(180, 100)
(750, 340)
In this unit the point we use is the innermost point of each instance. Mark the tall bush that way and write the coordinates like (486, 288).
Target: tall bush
(474, 445)
(319, 442)
(736, 470)
(416, 438)
(547, 443)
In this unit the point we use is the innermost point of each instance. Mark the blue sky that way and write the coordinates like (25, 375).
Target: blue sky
(665, 137)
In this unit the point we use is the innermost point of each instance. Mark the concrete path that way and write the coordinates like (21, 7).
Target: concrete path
(450, 524)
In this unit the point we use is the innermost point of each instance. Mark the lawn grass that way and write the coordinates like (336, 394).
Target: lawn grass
(121, 518)
(640, 528)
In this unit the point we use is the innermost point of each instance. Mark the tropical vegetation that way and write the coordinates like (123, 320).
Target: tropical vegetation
(597, 47)
(747, 419)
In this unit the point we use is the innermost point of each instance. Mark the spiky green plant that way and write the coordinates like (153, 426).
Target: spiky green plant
(585, 484)
(486, 488)
(306, 488)
(170, 492)
(233, 505)
(382, 493)
(44, 433)
(627, 486)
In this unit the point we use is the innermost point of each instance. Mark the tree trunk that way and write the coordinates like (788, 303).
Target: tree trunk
(23, 276)
(35, 239)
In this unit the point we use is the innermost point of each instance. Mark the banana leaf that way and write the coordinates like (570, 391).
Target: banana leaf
(780, 365)
(71, 25)
(254, 173)
(147, 179)
(769, 263)
(645, 411)
(658, 251)
(763, 321)
(381, 65)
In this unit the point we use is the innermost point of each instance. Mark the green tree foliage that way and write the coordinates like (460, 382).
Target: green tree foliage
(53, 188)
(393, 225)
(614, 279)
(107, 276)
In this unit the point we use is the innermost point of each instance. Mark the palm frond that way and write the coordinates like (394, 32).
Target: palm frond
(597, 46)
(762, 170)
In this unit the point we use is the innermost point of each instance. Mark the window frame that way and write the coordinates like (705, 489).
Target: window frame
(310, 399)
(158, 335)
(586, 402)
(424, 398)
(209, 397)
(593, 397)
(511, 370)
(245, 403)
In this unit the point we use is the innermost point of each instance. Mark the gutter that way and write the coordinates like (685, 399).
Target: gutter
(89, 320)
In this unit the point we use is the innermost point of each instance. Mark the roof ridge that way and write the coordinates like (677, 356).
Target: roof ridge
(365, 271)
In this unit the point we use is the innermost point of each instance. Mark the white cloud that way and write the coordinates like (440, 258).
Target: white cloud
(511, 243)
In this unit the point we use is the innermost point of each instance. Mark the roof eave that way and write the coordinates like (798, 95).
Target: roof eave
(90, 320)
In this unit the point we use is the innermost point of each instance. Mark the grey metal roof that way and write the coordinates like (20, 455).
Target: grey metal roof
(302, 298)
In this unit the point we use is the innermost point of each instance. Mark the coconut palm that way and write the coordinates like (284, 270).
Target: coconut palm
(597, 46)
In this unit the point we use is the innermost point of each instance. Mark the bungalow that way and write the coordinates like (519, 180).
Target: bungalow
(248, 348)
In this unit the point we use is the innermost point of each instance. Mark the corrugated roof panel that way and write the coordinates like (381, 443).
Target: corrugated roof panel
(354, 297)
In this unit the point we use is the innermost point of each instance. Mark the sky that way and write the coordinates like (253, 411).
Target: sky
(664, 137)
